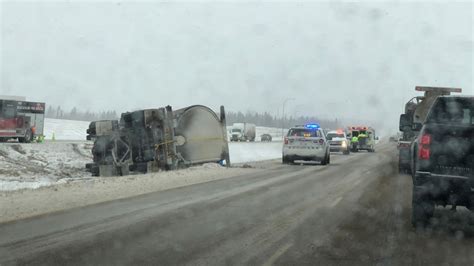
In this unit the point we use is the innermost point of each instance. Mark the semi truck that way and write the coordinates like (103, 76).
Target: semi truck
(158, 139)
(415, 112)
(243, 132)
(20, 119)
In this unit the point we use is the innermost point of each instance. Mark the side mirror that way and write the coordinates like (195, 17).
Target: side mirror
(405, 122)
(417, 126)
(377, 138)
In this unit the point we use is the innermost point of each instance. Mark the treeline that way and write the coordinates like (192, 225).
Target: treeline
(75, 114)
(267, 120)
(260, 119)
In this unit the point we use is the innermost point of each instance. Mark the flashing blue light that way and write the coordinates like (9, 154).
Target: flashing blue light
(312, 126)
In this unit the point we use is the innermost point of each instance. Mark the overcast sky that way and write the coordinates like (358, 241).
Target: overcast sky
(337, 60)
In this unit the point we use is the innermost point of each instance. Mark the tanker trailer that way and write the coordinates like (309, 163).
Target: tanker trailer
(160, 139)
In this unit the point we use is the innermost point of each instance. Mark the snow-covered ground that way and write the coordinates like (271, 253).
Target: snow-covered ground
(241, 152)
(30, 166)
(65, 129)
(35, 165)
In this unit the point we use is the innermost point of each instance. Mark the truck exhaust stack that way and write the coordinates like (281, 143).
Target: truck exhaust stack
(158, 139)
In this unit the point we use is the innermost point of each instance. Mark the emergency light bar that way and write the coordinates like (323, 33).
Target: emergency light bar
(312, 126)
(441, 89)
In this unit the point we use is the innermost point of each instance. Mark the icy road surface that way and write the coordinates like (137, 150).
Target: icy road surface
(355, 211)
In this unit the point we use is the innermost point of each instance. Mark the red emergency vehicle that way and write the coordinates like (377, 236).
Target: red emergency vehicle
(21, 120)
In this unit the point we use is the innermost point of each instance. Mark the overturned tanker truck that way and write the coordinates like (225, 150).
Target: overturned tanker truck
(158, 139)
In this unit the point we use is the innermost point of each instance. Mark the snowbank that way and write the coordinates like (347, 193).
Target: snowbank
(35, 165)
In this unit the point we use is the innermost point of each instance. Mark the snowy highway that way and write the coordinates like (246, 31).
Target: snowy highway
(355, 211)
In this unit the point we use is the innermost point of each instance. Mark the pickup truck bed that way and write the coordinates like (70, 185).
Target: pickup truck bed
(443, 158)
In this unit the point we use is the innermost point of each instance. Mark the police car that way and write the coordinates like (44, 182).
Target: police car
(338, 141)
(307, 143)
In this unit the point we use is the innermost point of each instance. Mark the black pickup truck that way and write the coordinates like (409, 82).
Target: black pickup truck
(443, 158)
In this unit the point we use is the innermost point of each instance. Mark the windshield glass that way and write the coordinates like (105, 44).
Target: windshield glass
(228, 132)
(453, 110)
(302, 132)
(330, 136)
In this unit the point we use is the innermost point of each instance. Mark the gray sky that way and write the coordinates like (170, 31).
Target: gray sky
(336, 60)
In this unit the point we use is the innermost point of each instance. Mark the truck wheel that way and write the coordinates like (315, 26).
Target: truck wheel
(325, 160)
(422, 209)
(346, 152)
(27, 138)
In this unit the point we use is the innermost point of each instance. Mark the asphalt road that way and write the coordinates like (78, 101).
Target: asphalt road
(355, 211)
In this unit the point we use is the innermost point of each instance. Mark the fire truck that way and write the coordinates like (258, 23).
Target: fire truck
(20, 119)
(366, 138)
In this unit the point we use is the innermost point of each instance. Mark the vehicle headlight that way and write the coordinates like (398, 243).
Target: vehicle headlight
(344, 144)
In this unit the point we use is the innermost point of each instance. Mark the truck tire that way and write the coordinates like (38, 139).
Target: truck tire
(285, 160)
(27, 138)
(346, 152)
(422, 208)
(325, 161)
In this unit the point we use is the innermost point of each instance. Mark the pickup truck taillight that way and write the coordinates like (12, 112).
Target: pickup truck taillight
(424, 148)
(286, 140)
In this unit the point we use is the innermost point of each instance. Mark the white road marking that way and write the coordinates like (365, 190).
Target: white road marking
(277, 254)
(334, 203)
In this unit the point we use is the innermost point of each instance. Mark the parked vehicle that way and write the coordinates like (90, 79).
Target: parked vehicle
(362, 138)
(443, 158)
(243, 132)
(416, 111)
(266, 138)
(154, 139)
(307, 143)
(338, 141)
(21, 120)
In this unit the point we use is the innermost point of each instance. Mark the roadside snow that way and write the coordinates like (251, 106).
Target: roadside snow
(35, 165)
(242, 152)
(76, 193)
(31, 166)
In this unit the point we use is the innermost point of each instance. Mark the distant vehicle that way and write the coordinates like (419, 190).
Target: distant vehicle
(266, 138)
(365, 138)
(21, 120)
(243, 132)
(338, 141)
(416, 111)
(307, 143)
(443, 158)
